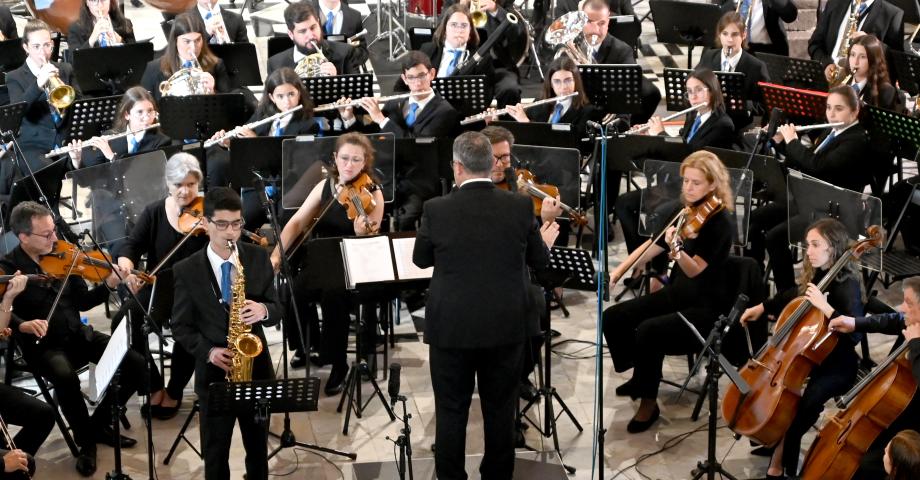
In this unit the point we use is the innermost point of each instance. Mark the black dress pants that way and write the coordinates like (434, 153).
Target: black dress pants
(454, 373)
(34, 416)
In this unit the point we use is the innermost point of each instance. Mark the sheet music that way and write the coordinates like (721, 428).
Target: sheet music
(402, 251)
(368, 260)
(110, 361)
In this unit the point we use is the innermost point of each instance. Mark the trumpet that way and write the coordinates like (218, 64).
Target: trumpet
(332, 106)
(107, 138)
(220, 30)
(645, 127)
(479, 16)
(495, 113)
(249, 126)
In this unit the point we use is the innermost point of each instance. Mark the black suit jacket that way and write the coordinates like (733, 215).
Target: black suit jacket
(7, 23)
(718, 131)
(352, 23)
(754, 71)
(199, 320)
(614, 51)
(776, 13)
(883, 19)
(300, 126)
(437, 119)
(617, 7)
(38, 130)
(887, 98)
(153, 76)
(342, 55)
(480, 241)
(435, 53)
(577, 117)
(845, 162)
(152, 140)
(236, 26)
(78, 35)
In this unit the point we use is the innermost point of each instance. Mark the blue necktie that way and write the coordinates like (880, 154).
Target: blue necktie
(277, 131)
(694, 127)
(827, 140)
(102, 40)
(187, 64)
(743, 11)
(557, 114)
(856, 88)
(225, 281)
(862, 10)
(453, 61)
(132, 144)
(330, 23)
(410, 117)
(56, 117)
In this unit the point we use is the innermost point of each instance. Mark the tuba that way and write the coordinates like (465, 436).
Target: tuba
(567, 32)
(308, 66)
(185, 81)
(244, 344)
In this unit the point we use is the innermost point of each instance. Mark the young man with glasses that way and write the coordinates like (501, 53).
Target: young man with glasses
(56, 347)
(200, 320)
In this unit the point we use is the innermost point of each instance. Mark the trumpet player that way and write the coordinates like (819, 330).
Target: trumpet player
(101, 24)
(223, 26)
(305, 29)
(44, 127)
(881, 18)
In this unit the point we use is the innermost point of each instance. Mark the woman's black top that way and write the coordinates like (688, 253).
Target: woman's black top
(78, 35)
(154, 236)
(335, 222)
(712, 244)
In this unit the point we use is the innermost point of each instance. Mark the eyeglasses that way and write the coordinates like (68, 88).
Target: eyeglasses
(506, 158)
(223, 224)
(347, 159)
(458, 26)
(47, 236)
(416, 78)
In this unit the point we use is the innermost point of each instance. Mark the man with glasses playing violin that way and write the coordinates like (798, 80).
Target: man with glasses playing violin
(57, 346)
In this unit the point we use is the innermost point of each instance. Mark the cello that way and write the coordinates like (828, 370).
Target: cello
(869, 408)
(778, 372)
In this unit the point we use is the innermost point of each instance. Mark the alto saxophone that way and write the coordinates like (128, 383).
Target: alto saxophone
(244, 344)
(838, 73)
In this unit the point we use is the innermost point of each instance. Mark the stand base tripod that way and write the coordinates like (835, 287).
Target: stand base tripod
(352, 392)
(288, 440)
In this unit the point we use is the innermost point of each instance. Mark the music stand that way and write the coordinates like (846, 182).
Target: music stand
(12, 56)
(48, 178)
(541, 133)
(769, 180)
(419, 166)
(901, 132)
(800, 104)
(731, 83)
(200, 116)
(11, 117)
(241, 62)
(92, 116)
(263, 397)
(330, 89)
(615, 88)
(468, 94)
(626, 28)
(794, 72)
(262, 154)
(907, 69)
(685, 23)
(111, 69)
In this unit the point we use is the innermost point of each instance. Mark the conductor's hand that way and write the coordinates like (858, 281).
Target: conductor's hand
(517, 112)
(752, 314)
(370, 105)
(253, 312)
(37, 327)
(221, 358)
(842, 324)
(551, 209)
(328, 69)
(549, 231)
(276, 260)
(44, 73)
(788, 132)
(655, 126)
(15, 460)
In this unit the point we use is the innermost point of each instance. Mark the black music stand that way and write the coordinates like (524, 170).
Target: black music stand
(803, 105)
(262, 154)
(794, 72)
(330, 89)
(541, 133)
(468, 94)
(241, 61)
(11, 117)
(12, 56)
(111, 69)
(731, 83)
(48, 178)
(628, 153)
(907, 69)
(92, 116)
(685, 23)
(902, 132)
(200, 116)
(261, 398)
(615, 88)
(769, 180)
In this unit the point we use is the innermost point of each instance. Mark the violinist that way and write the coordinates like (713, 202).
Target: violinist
(158, 230)
(136, 111)
(56, 347)
(101, 24)
(907, 323)
(633, 329)
(353, 161)
(826, 240)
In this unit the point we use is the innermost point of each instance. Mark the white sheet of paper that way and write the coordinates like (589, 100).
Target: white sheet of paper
(109, 362)
(368, 260)
(405, 269)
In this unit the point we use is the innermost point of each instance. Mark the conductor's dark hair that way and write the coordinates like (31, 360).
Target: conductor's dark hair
(22, 215)
(221, 198)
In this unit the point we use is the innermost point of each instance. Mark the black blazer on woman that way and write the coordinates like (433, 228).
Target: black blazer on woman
(718, 131)
(78, 35)
(754, 71)
(577, 117)
(845, 162)
(152, 140)
(153, 76)
(887, 98)
(297, 126)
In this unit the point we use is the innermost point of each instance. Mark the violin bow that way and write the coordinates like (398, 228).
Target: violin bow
(57, 298)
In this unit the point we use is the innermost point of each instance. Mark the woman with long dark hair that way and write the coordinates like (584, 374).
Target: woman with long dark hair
(101, 24)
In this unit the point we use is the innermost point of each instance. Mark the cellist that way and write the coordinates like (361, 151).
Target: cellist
(826, 241)
(907, 323)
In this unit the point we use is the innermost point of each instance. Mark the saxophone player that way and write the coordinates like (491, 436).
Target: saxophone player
(829, 38)
(201, 313)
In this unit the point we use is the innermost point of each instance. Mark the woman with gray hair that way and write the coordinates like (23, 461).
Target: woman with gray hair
(156, 233)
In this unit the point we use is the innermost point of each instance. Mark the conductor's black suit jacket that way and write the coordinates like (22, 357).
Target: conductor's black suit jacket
(480, 241)
(199, 320)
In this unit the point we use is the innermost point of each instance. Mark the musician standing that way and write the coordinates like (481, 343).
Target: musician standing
(56, 347)
(305, 29)
(220, 22)
(101, 24)
(480, 241)
(200, 319)
(879, 17)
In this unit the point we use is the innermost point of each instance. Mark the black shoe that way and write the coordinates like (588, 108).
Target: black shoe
(763, 451)
(528, 392)
(554, 333)
(86, 461)
(165, 413)
(105, 435)
(627, 389)
(336, 381)
(298, 360)
(145, 409)
(636, 426)
(317, 360)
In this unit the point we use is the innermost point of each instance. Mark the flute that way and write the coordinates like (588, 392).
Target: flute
(332, 106)
(74, 148)
(665, 119)
(249, 126)
(805, 128)
(495, 113)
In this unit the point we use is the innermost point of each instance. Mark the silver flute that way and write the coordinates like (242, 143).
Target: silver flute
(805, 128)
(502, 111)
(107, 138)
(249, 126)
(332, 106)
(645, 127)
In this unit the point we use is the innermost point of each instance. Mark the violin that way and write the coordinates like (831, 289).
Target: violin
(32, 278)
(68, 259)
(526, 183)
(190, 222)
(778, 372)
(358, 199)
(691, 219)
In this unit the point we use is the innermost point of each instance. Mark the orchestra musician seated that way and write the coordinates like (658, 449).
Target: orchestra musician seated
(453, 45)
(868, 74)
(222, 25)
(765, 25)
(305, 29)
(101, 24)
(902, 456)
(345, 22)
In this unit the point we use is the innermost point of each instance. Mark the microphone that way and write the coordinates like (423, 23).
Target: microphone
(737, 309)
(260, 187)
(595, 125)
(775, 115)
(257, 174)
(393, 385)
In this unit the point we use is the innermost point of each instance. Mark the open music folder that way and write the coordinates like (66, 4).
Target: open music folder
(380, 259)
